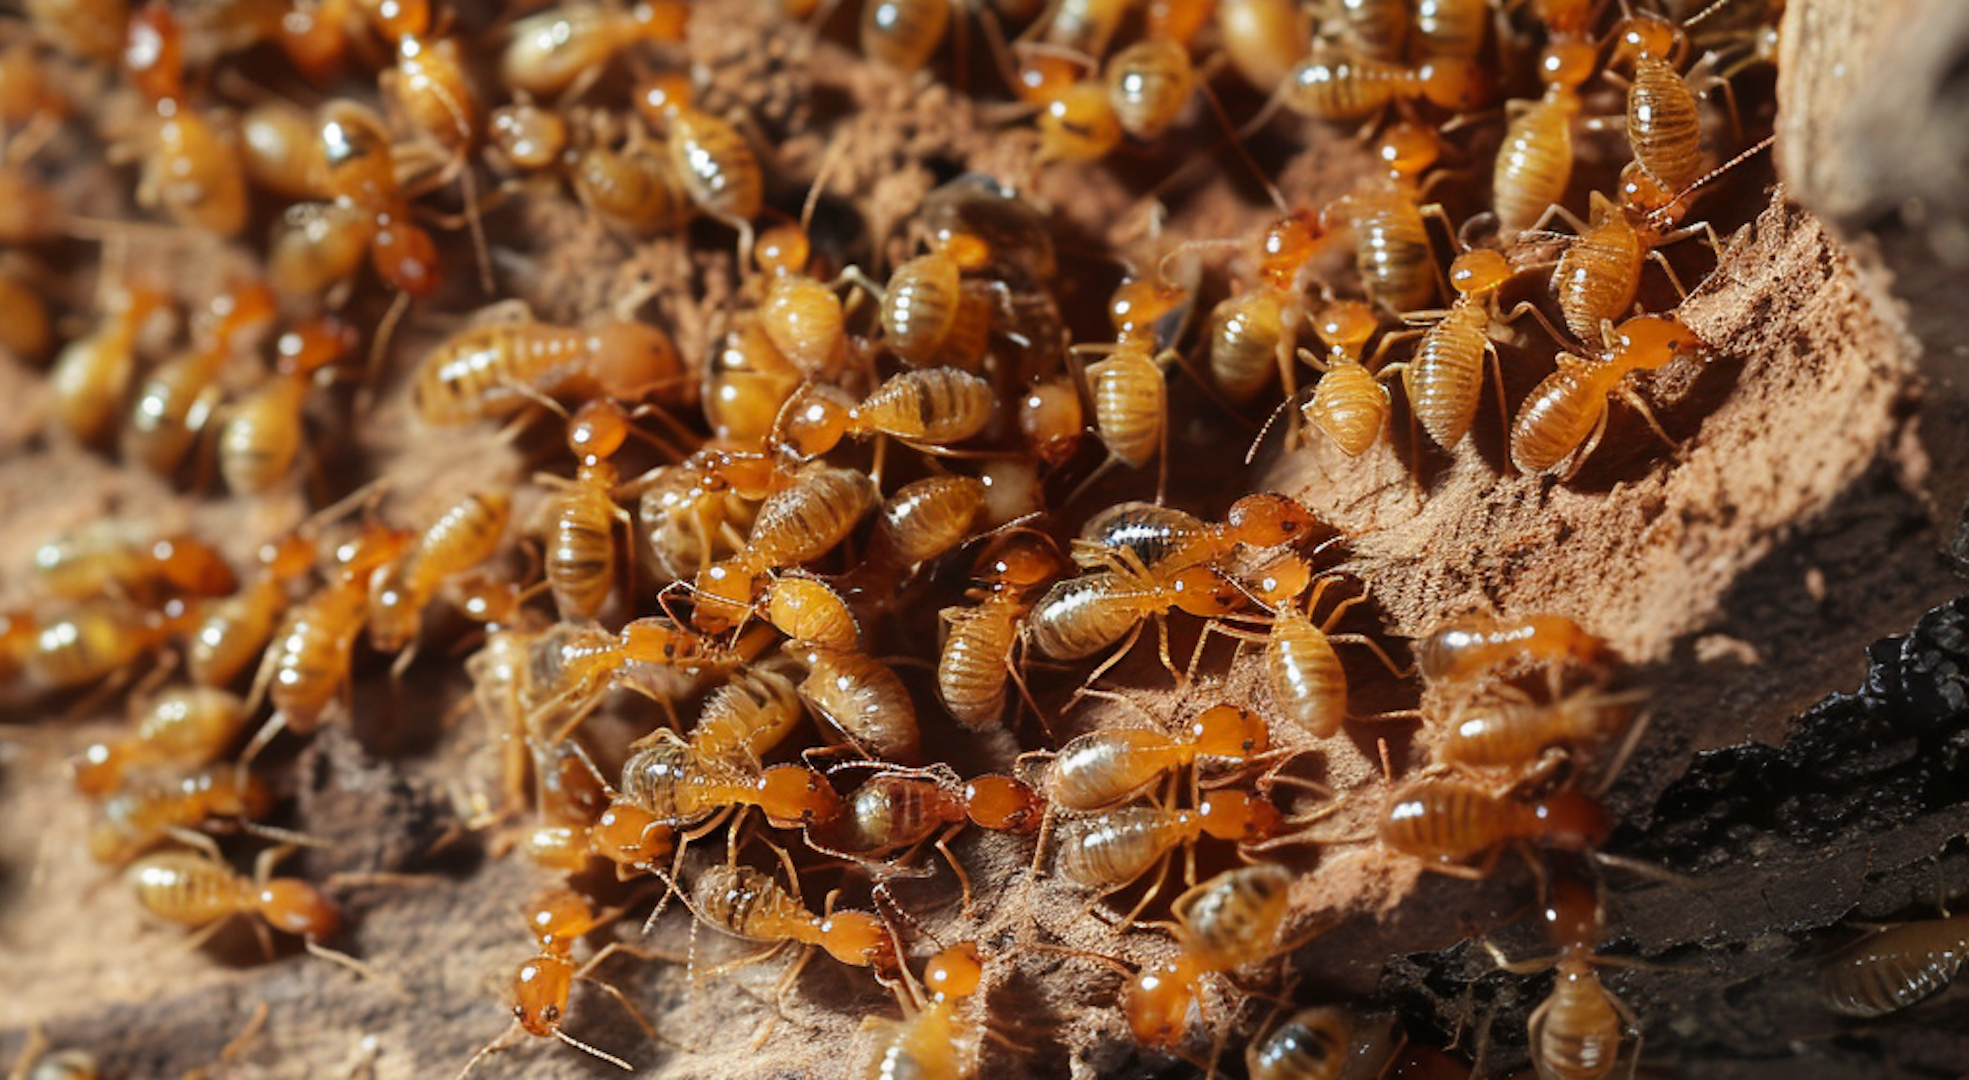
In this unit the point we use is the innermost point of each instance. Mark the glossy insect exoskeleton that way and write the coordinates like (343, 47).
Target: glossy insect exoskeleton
(929, 1040)
(1600, 272)
(1576, 1031)
(1445, 821)
(485, 371)
(1253, 333)
(190, 725)
(196, 890)
(1149, 82)
(191, 170)
(861, 698)
(92, 374)
(1110, 849)
(1534, 164)
(667, 780)
(718, 166)
(68, 646)
(1265, 39)
(134, 821)
(466, 534)
(933, 407)
(978, 641)
(903, 34)
(745, 903)
(1464, 649)
(228, 634)
(552, 50)
(543, 985)
(580, 515)
(1307, 680)
(126, 559)
(1513, 731)
(1165, 540)
(1664, 121)
(796, 524)
(309, 658)
(1231, 920)
(1339, 87)
(1349, 404)
(1444, 379)
(1105, 768)
(1311, 1044)
(1895, 968)
(261, 435)
(178, 397)
(1080, 616)
(1392, 251)
(1566, 414)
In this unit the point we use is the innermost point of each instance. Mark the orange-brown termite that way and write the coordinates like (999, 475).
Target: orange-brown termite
(1599, 273)
(1465, 649)
(190, 725)
(92, 374)
(979, 640)
(488, 371)
(1896, 967)
(1566, 414)
(567, 46)
(1576, 1031)
(136, 820)
(1446, 821)
(191, 170)
(543, 985)
(179, 396)
(261, 435)
(466, 534)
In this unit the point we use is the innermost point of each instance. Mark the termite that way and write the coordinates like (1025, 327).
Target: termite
(179, 396)
(487, 371)
(934, 407)
(1344, 87)
(129, 560)
(1462, 650)
(861, 698)
(1392, 251)
(190, 169)
(1445, 821)
(799, 522)
(261, 435)
(1576, 1031)
(1253, 333)
(135, 821)
(1894, 968)
(183, 725)
(551, 51)
(1148, 537)
(1080, 616)
(466, 534)
(979, 640)
(1566, 414)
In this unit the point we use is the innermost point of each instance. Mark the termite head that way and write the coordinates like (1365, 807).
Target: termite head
(1202, 591)
(1572, 914)
(1239, 816)
(1268, 518)
(1645, 34)
(954, 973)
(1565, 64)
(1572, 821)
(1641, 193)
(661, 97)
(1345, 324)
(1002, 804)
(724, 593)
(1286, 246)
(859, 939)
(782, 249)
(793, 796)
(1019, 561)
(1158, 1000)
(630, 837)
(1452, 83)
(153, 53)
(293, 906)
(1230, 731)
(970, 253)
(1479, 271)
(1653, 341)
(813, 421)
(1138, 305)
(597, 430)
(312, 345)
(540, 992)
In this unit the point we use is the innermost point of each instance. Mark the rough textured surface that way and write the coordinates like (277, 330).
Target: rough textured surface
(1742, 574)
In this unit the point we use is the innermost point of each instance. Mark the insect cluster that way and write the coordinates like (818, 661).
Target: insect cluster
(821, 558)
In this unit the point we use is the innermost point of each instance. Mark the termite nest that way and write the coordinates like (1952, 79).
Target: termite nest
(806, 515)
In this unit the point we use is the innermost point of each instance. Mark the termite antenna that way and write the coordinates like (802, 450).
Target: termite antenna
(593, 1051)
(1297, 396)
(1657, 215)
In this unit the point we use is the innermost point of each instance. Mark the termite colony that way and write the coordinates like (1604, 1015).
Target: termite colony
(829, 584)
